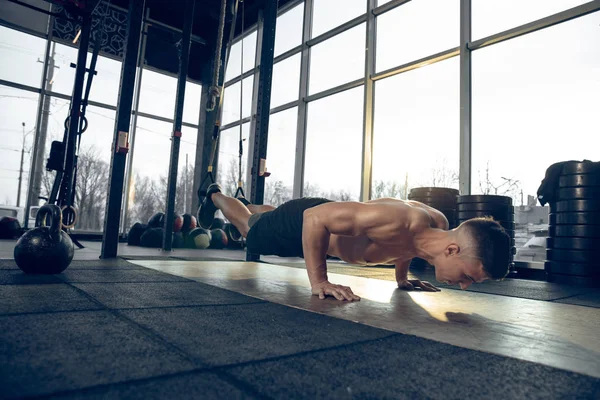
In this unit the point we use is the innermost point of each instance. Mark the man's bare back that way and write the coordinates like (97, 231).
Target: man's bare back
(382, 231)
(391, 242)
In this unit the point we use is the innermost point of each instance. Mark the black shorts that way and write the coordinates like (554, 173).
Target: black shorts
(279, 232)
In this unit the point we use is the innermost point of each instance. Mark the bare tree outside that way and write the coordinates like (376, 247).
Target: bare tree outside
(229, 179)
(504, 187)
(276, 193)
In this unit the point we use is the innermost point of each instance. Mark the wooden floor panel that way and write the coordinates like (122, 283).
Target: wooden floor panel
(559, 335)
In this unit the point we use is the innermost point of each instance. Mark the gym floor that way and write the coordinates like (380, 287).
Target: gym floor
(206, 324)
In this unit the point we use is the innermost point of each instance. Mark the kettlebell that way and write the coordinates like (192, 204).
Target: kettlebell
(45, 250)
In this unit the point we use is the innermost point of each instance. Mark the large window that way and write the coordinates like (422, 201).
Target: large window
(228, 168)
(334, 143)
(338, 60)
(234, 66)
(233, 97)
(158, 93)
(416, 130)
(286, 81)
(535, 102)
(327, 14)
(413, 31)
(191, 105)
(281, 155)
(61, 76)
(494, 16)
(18, 110)
(289, 29)
(21, 57)
(148, 181)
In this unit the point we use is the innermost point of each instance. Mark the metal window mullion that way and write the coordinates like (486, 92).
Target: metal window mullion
(369, 104)
(388, 7)
(464, 179)
(337, 30)
(135, 112)
(539, 24)
(303, 105)
(254, 106)
(422, 62)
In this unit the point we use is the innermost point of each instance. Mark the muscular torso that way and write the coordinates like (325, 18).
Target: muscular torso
(391, 242)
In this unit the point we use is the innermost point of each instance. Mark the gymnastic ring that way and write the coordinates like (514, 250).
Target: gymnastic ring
(83, 118)
(69, 217)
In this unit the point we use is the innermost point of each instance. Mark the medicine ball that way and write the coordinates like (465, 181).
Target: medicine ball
(134, 237)
(178, 240)
(218, 223)
(189, 223)
(157, 220)
(199, 238)
(218, 239)
(152, 237)
(10, 228)
(177, 223)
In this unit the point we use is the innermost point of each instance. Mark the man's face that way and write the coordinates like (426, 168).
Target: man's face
(455, 270)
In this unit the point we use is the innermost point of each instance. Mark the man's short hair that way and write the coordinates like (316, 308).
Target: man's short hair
(490, 244)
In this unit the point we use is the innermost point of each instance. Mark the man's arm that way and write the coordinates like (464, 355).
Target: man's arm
(374, 220)
(315, 243)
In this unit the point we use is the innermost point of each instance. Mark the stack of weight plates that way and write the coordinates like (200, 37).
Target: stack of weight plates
(573, 245)
(498, 207)
(442, 199)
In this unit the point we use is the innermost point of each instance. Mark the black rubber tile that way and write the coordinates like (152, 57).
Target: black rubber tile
(15, 299)
(408, 367)
(161, 294)
(526, 289)
(6, 263)
(113, 263)
(233, 334)
(186, 386)
(591, 299)
(118, 275)
(47, 353)
(18, 277)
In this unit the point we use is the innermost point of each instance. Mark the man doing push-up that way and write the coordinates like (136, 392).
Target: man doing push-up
(382, 231)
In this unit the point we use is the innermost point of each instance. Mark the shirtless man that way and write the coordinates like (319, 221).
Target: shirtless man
(381, 231)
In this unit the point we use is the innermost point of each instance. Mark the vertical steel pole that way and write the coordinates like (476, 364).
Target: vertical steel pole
(465, 98)
(178, 120)
(110, 242)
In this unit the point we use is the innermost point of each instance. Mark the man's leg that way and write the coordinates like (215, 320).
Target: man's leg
(259, 208)
(234, 210)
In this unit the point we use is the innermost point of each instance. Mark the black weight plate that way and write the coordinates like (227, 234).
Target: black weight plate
(574, 256)
(590, 192)
(486, 207)
(572, 243)
(585, 231)
(438, 201)
(498, 216)
(568, 268)
(574, 280)
(575, 206)
(446, 211)
(590, 218)
(433, 191)
(581, 168)
(579, 180)
(485, 198)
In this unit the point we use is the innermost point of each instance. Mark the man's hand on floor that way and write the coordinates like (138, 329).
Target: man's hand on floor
(340, 292)
(411, 284)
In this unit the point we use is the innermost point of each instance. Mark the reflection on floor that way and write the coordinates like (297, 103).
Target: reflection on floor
(558, 335)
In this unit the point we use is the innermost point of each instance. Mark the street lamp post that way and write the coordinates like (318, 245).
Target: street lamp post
(21, 169)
